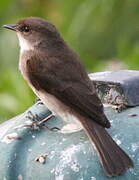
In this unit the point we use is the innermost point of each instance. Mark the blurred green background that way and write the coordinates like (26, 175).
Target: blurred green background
(105, 33)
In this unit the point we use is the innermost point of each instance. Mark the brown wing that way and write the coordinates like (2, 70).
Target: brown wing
(66, 83)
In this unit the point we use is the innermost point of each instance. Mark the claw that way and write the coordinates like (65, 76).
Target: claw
(52, 129)
(32, 117)
(38, 101)
(36, 123)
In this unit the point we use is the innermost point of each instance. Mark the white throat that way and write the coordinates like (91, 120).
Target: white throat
(24, 44)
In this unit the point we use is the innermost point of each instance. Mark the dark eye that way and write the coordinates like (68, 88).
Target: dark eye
(26, 29)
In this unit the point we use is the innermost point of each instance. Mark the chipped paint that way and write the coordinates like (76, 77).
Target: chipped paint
(52, 171)
(75, 166)
(43, 143)
(20, 177)
(33, 136)
(135, 146)
(67, 160)
(93, 178)
(118, 141)
(60, 177)
(52, 154)
(29, 150)
(41, 158)
(10, 138)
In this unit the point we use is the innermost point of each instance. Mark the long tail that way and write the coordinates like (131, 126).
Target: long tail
(114, 160)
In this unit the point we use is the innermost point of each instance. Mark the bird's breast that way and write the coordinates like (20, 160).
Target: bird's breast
(56, 106)
(23, 64)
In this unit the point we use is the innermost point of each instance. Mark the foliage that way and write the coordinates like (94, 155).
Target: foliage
(98, 30)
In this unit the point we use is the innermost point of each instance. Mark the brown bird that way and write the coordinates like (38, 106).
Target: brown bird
(58, 78)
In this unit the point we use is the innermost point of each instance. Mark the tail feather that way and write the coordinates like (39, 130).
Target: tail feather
(114, 160)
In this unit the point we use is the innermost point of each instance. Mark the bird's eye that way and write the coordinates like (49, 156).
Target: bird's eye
(26, 29)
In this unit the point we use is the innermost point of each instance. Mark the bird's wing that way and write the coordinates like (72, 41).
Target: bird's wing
(67, 86)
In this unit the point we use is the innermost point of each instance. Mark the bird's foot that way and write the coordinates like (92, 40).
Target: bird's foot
(32, 117)
(38, 101)
(36, 124)
(42, 125)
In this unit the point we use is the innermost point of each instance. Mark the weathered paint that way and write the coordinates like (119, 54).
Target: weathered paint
(67, 156)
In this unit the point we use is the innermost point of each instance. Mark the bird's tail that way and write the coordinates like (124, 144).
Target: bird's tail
(114, 160)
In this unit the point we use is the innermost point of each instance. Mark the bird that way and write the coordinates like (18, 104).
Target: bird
(57, 76)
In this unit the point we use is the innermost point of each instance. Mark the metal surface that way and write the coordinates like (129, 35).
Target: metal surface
(68, 156)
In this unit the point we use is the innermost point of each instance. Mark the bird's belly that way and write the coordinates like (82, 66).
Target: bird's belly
(58, 108)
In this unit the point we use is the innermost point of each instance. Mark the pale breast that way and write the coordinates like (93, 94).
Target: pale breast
(22, 65)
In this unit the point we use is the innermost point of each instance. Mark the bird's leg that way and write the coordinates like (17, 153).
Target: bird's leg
(32, 117)
(41, 123)
(38, 101)
(45, 119)
(37, 124)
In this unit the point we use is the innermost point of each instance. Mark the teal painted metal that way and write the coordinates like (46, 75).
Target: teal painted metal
(69, 156)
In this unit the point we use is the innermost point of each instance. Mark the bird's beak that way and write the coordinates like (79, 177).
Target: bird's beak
(10, 26)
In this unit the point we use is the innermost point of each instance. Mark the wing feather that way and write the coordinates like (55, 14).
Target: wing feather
(71, 89)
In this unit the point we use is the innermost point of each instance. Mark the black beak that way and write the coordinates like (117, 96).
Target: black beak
(10, 26)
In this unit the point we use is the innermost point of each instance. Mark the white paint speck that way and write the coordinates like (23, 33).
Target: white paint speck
(75, 167)
(93, 178)
(60, 177)
(43, 143)
(29, 150)
(53, 170)
(52, 153)
(68, 159)
(135, 146)
(33, 136)
(66, 156)
(118, 142)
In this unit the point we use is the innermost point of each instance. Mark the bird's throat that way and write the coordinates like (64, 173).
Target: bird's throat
(24, 44)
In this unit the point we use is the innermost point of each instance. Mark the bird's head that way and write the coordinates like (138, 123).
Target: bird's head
(34, 31)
